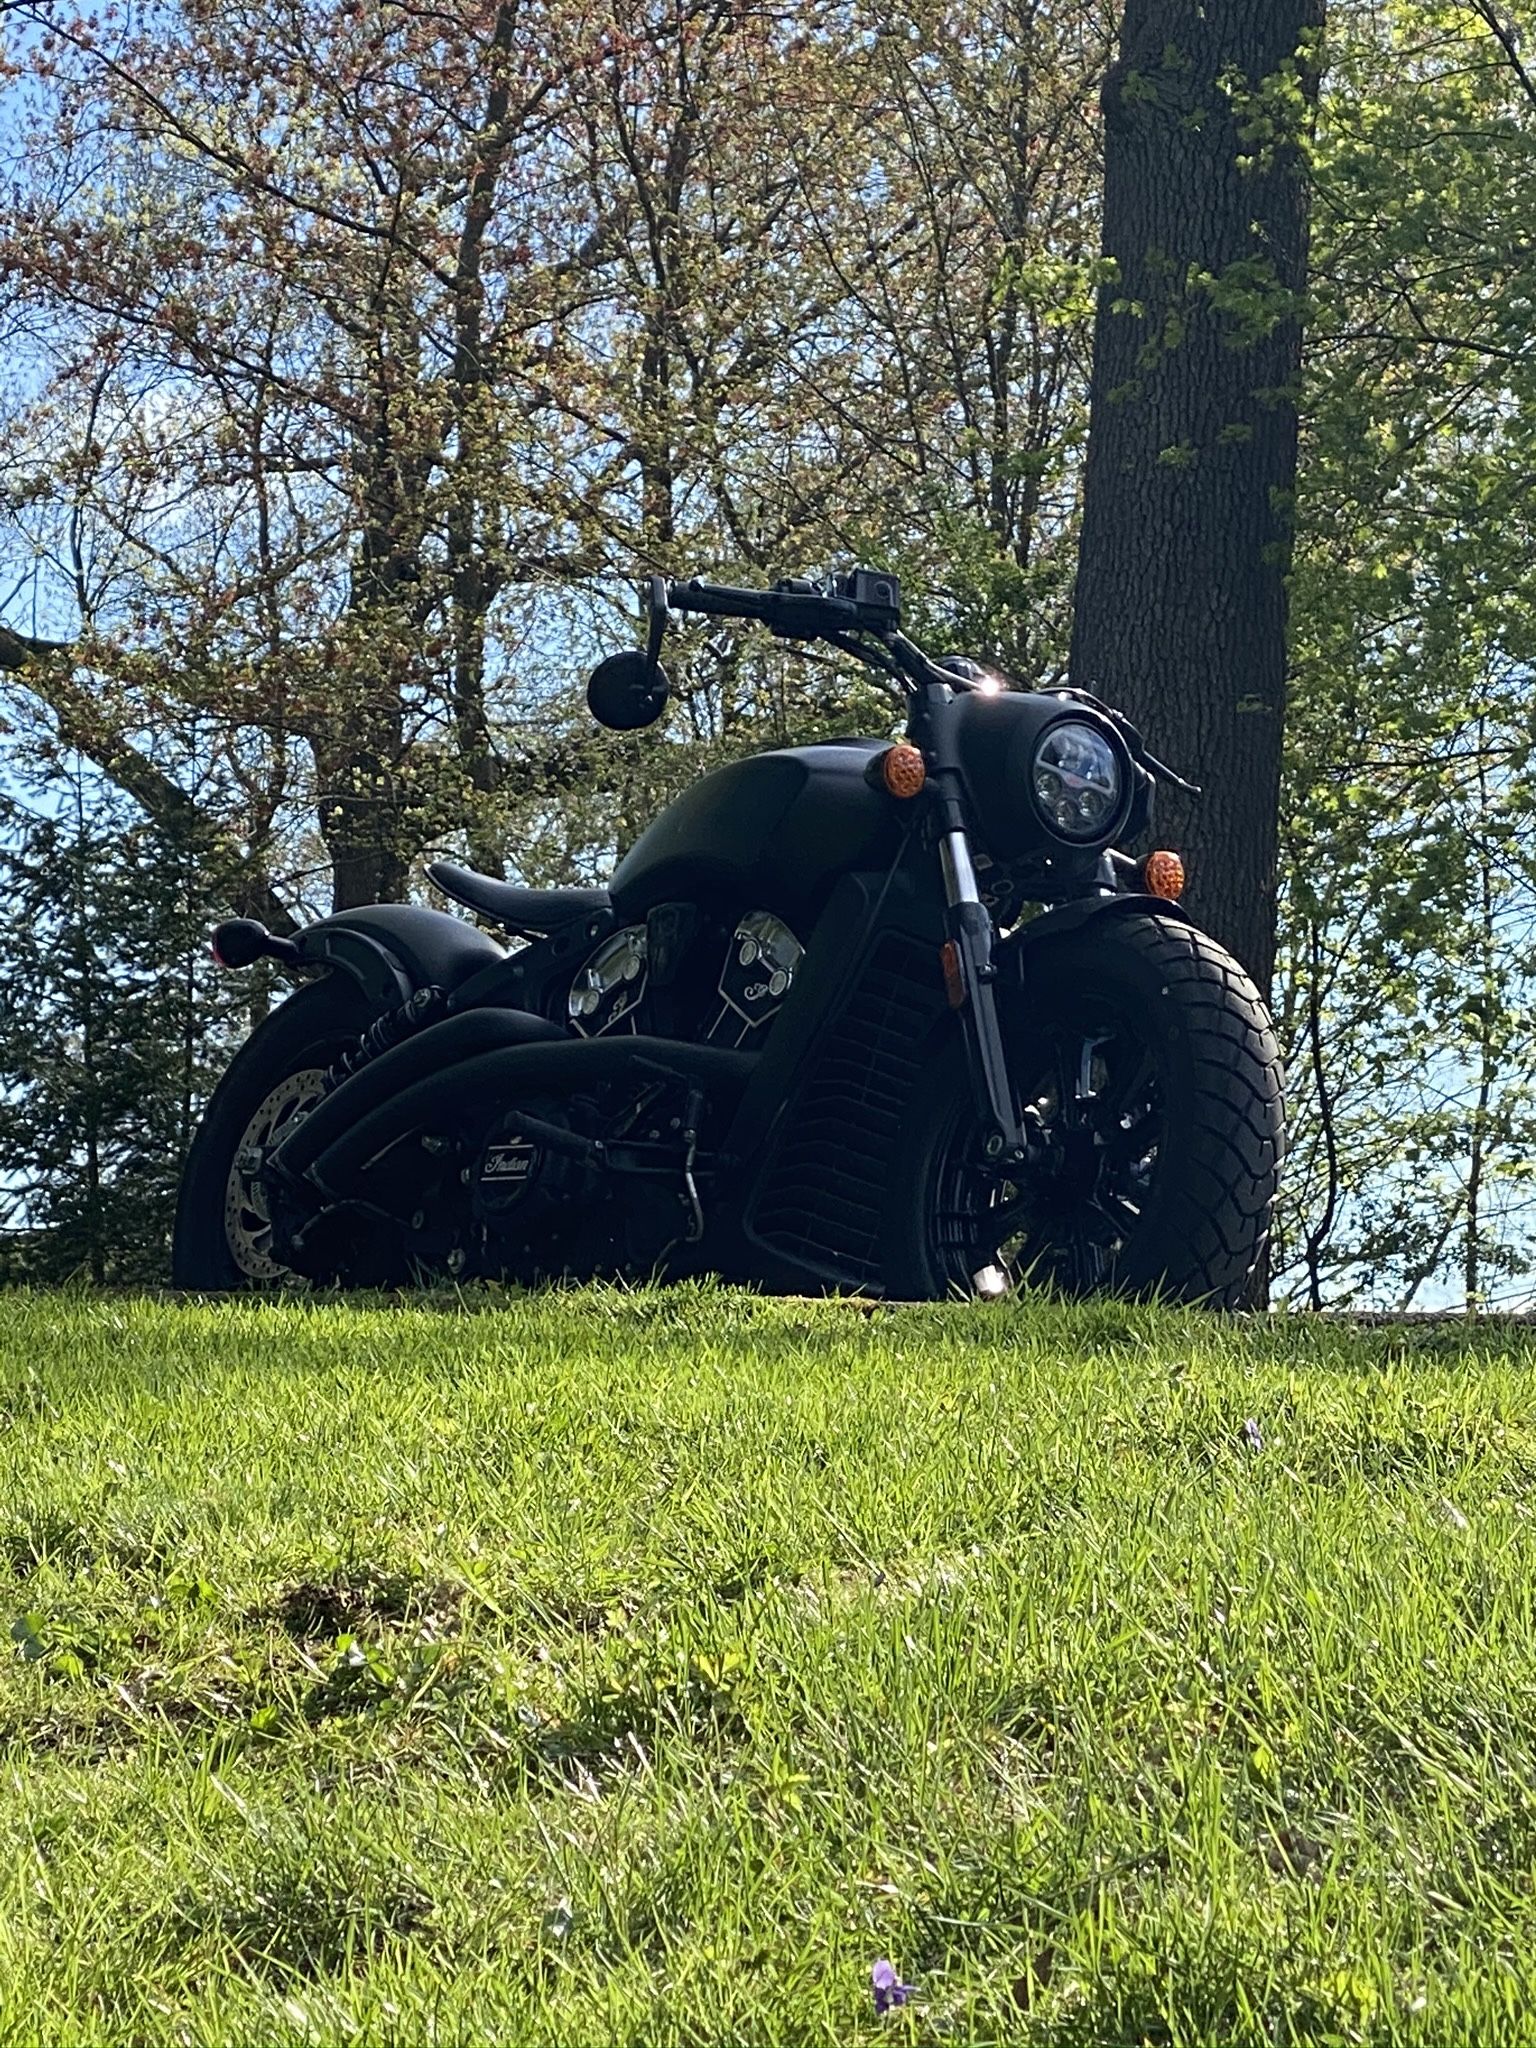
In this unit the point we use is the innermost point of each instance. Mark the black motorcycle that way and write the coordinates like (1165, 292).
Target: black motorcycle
(888, 1018)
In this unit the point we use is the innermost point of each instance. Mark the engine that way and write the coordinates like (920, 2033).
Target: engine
(608, 991)
(737, 997)
(524, 1178)
(759, 970)
(605, 1182)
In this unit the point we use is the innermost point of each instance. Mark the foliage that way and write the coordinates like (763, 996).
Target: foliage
(104, 1036)
(1409, 857)
(367, 350)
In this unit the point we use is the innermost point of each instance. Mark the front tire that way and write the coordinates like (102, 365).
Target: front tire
(1146, 1064)
(222, 1236)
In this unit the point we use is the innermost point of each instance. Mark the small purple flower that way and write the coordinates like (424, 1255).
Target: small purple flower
(1253, 1436)
(888, 1988)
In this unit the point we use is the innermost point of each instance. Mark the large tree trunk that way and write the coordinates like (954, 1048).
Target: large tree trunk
(362, 788)
(359, 823)
(1181, 595)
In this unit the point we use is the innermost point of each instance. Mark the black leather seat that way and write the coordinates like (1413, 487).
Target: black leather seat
(531, 913)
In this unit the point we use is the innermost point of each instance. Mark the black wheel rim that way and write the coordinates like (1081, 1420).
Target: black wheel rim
(1092, 1100)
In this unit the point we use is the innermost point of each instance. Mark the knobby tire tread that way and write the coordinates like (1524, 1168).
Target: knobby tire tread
(1222, 1196)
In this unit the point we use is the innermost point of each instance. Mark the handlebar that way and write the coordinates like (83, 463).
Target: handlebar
(718, 600)
(863, 601)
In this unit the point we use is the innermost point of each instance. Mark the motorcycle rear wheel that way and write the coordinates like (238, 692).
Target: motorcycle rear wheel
(222, 1235)
(1146, 1064)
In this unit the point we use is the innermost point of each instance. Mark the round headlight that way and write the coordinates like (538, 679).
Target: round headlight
(1077, 781)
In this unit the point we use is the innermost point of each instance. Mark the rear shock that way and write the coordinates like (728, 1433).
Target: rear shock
(425, 1007)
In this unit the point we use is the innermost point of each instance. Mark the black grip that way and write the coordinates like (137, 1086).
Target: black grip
(719, 600)
(865, 601)
(792, 611)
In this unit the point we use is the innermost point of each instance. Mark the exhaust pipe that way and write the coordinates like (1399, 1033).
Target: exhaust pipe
(441, 1046)
(491, 1080)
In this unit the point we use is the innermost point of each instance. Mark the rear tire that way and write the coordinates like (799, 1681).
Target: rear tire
(217, 1244)
(1149, 1066)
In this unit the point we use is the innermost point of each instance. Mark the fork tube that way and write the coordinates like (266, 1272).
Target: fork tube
(968, 922)
(959, 869)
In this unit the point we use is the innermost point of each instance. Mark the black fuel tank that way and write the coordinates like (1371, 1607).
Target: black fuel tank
(774, 831)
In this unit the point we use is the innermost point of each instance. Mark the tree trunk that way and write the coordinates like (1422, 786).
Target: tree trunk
(1180, 613)
(361, 790)
(359, 824)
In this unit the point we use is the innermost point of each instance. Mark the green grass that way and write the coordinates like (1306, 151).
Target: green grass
(615, 1668)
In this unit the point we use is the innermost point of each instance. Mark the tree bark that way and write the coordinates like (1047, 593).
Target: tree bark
(360, 756)
(1180, 610)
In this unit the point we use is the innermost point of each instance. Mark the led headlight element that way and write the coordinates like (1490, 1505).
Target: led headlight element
(1077, 781)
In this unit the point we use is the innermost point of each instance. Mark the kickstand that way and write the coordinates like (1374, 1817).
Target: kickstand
(690, 1136)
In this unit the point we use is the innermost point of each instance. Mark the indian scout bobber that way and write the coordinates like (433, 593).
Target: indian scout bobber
(889, 1017)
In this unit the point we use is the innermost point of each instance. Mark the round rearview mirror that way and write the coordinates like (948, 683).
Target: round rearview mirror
(627, 691)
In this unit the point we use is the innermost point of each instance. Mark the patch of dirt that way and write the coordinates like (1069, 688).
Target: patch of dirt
(1290, 1853)
(360, 1603)
(126, 1713)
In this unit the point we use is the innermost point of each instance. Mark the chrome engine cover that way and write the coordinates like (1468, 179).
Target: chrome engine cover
(757, 975)
(609, 988)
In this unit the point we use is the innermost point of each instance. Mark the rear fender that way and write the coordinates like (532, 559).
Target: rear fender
(390, 950)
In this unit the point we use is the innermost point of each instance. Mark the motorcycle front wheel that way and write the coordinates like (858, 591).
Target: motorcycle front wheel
(1146, 1067)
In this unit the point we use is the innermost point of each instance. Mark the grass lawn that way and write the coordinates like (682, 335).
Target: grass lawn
(613, 1668)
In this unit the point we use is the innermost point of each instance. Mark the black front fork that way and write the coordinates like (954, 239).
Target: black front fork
(970, 976)
(970, 973)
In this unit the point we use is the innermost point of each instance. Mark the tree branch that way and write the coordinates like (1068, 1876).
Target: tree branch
(157, 795)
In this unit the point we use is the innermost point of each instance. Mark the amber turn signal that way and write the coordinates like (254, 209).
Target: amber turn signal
(1163, 875)
(903, 770)
(954, 979)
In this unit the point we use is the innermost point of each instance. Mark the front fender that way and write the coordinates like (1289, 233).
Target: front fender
(1071, 917)
(1015, 953)
(393, 949)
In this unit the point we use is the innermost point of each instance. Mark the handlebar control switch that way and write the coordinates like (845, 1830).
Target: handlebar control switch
(876, 593)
